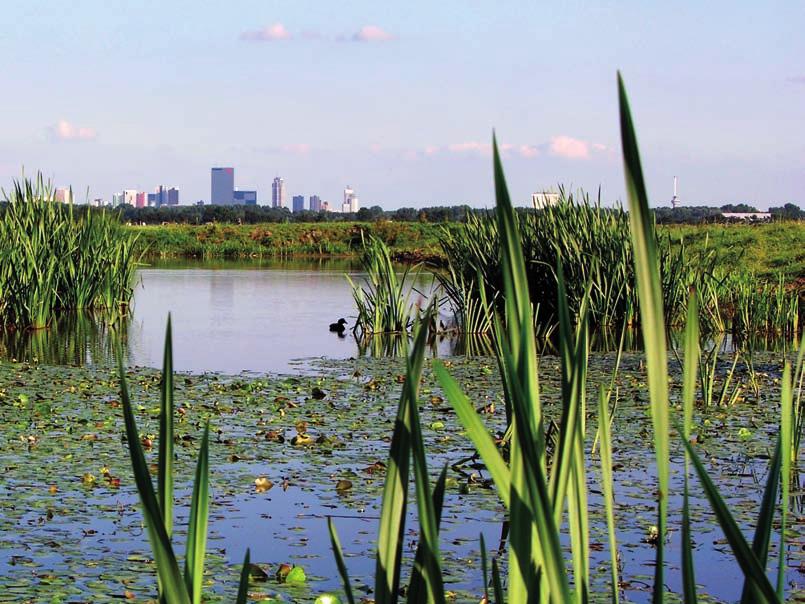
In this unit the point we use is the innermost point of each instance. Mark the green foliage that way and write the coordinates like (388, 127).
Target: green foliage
(593, 243)
(55, 257)
(384, 300)
(174, 588)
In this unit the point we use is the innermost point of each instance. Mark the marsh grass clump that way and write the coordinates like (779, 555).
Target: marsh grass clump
(383, 301)
(592, 242)
(56, 257)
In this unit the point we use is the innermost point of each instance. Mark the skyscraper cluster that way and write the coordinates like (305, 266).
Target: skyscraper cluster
(223, 192)
(162, 196)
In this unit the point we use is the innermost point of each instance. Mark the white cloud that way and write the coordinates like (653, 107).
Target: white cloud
(65, 131)
(297, 148)
(569, 147)
(470, 147)
(372, 33)
(267, 34)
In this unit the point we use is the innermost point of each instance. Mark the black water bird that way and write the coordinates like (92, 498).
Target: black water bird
(338, 327)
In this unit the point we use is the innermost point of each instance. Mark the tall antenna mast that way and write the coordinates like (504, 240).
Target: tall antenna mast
(675, 201)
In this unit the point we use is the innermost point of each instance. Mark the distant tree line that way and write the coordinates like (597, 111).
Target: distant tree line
(266, 214)
(705, 214)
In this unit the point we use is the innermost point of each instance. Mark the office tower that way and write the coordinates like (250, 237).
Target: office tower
(245, 198)
(63, 194)
(315, 203)
(222, 186)
(298, 203)
(152, 200)
(140, 199)
(130, 197)
(350, 201)
(278, 193)
(173, 196)
(117, 200)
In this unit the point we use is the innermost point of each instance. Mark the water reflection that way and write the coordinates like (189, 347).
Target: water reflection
(256, 315)
(78, 338)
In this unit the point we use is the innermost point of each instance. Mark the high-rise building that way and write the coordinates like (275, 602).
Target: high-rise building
(222, 186)
(152, 200)
(130, 197)
(278, 193)
(325, 206)
(315, 203)
(97, 202)
(351, 203)
(63, 194)
(141, 199)
(298, 203)
(173, 196)
(245, 198)
(117, 199)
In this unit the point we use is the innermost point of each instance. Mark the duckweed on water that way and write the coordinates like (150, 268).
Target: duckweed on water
(63, 538)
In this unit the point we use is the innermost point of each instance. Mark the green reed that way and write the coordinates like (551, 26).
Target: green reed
(175, 587)
(55, 257)
(593, 244)
(543, 491)
(383, 301)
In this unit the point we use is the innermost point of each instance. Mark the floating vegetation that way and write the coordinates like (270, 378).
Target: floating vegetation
(54, 257)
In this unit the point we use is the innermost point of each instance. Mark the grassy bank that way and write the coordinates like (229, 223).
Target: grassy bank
(406, 239)
(765, 249)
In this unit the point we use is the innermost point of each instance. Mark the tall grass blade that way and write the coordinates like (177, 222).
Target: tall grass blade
(688, 397)
(170, 579)
(476, 431)
(243, 586)
(484, 569)
(497, 584)
(606, 487)
(165, 462)
(339, 560)
(652, 322)
(760, 588)
(535, 551)
(199, 516)
(391, 530)
(417, 590)
(785, 444)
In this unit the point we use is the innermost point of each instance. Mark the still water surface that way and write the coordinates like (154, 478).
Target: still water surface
(228, 317)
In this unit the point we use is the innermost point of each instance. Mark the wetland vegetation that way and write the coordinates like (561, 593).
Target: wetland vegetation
(634, 476)
(54, 260)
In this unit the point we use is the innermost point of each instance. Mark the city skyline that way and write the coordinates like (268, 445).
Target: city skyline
(406, 106)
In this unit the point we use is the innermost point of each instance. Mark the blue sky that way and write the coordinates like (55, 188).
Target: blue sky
(400, 99)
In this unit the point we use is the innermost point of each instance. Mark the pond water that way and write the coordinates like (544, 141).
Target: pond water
(66, 538)
(70, 533)
(257, 316)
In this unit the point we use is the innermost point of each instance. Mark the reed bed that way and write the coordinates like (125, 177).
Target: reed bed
(383, 301)
(592, 243)
(541, 476)
(54, 257)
